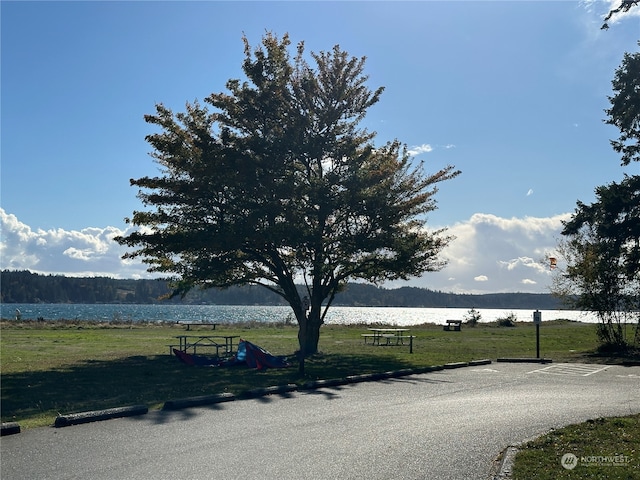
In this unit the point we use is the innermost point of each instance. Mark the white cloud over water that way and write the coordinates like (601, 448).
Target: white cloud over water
(489, 254)
(88, 252)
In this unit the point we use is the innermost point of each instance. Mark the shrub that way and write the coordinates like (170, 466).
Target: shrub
(472, 317)
(508, 321)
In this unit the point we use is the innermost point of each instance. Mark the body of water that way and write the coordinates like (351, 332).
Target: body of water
(269, 314)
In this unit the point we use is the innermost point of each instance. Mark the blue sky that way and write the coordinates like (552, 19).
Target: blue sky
(512, 93)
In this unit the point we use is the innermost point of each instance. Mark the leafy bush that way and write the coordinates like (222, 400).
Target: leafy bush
(508, 321)
(472, 317)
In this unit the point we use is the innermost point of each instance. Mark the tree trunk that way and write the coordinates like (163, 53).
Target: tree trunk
(309, 332)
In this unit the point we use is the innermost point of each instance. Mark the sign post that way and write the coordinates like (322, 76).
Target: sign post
(537, 319)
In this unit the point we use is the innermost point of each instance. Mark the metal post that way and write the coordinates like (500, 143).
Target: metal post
(537, 319)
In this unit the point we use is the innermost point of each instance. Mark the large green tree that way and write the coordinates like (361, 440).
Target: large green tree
(279, 186)
(602, 240)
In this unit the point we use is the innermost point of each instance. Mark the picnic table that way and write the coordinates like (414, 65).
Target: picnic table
(391, 336)
(190, 324)
(195, 342)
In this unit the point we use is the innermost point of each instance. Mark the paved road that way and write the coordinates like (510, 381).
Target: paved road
(446, 425)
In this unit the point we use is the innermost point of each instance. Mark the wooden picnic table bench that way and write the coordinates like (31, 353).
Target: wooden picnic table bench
(190, 324)
(454, 325)
(372, 336)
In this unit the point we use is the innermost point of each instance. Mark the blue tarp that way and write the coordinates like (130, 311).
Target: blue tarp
(258, 357)
(248, 353)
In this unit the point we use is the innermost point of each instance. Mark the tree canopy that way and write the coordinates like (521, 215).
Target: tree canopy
(602, 245)
(625, 108)
(603, 253)
(279, 184)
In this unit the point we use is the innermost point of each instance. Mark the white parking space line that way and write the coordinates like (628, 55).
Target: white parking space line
(581, 370)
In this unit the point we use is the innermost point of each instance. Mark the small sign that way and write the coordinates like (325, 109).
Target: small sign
(537, 316)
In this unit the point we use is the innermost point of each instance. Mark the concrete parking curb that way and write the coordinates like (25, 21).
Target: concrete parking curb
(198, 401)
(524, 360)
(332, 382)
(263, 392)
(475, 363)
(9, 428)
(449, 366)
(97, 415)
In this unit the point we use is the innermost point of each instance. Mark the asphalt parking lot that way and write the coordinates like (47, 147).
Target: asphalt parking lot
(447, 424)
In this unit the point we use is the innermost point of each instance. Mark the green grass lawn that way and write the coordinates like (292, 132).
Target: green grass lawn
(601, 448)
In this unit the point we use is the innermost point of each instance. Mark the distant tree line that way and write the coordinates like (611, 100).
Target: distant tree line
(28, 287)
(369, 295)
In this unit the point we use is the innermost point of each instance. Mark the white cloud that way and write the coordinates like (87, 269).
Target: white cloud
(493, 254)
(424, 148)
(77, 254)
(88, 252)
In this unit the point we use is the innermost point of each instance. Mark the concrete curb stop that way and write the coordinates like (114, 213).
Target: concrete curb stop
(262, 392)
(432, 368)
(97, 415)
(400, 373)
(332, 382)
(475, 363)
(449, 366)
(9, 428)
(198, 401)
(365, 377)
(524, 360)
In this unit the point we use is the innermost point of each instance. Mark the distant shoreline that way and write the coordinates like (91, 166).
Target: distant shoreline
(30, 288)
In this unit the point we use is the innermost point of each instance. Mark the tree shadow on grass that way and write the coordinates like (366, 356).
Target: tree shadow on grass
(152, 380)
(323, 366)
